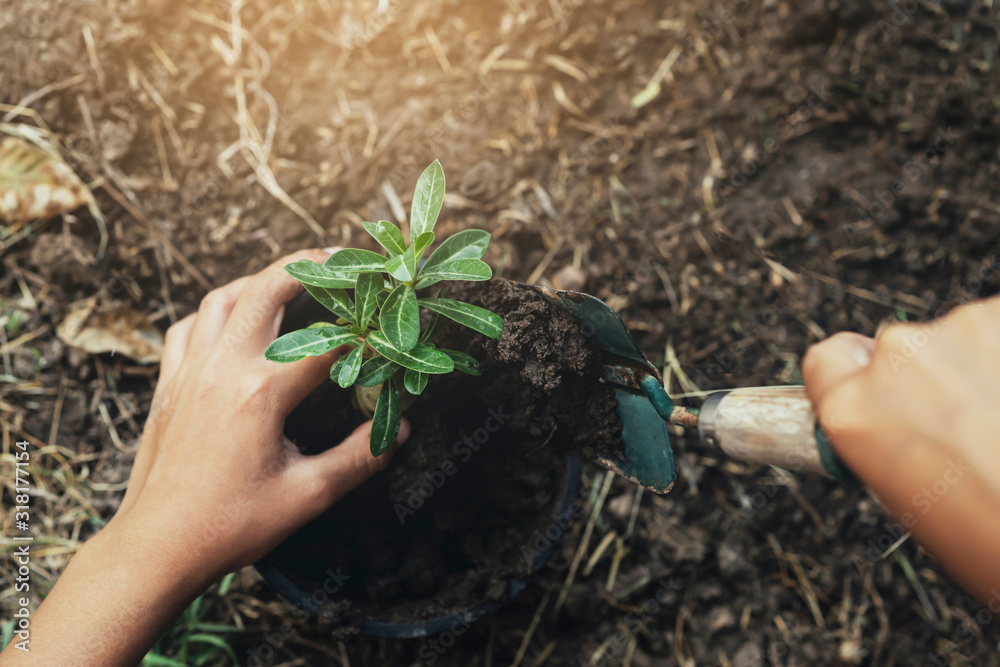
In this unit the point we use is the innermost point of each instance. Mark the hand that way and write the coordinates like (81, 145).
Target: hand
(915, 414)
(215, 480)
(215, 484)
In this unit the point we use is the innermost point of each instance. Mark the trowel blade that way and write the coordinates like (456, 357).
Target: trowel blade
(644, 455)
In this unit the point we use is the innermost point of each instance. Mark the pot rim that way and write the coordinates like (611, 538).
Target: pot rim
(275, 577)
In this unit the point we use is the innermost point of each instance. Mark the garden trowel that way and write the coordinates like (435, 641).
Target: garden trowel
(768, 425)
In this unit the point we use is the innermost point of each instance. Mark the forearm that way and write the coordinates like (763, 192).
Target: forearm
(116, 597)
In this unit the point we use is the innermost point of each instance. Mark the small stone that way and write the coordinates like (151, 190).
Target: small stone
(851, 652)
(719, 618)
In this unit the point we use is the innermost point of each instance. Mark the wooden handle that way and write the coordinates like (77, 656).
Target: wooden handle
(769, 425)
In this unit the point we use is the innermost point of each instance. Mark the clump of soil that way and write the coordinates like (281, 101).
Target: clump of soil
(543, 365)
(458, 513)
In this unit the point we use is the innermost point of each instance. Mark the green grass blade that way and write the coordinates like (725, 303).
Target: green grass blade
(226, 582)
(6, 633)
(217, 642)
(157, 660)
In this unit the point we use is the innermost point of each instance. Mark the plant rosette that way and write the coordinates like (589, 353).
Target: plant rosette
(386, 354)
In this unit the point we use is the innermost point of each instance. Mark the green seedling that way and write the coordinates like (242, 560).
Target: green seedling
(374, 298)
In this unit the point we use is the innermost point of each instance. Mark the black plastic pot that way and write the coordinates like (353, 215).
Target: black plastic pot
(280, 571)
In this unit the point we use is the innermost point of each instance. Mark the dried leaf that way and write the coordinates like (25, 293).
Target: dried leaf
(35, 184)
(114, 328)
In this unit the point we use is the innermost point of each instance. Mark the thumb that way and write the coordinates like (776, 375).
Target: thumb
(832, 361)
(343, 467)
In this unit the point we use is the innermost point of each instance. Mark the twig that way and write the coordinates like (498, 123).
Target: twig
(636, 504)
(546, 260)
(57, 411)
(531, 631)
(918, 588)
(157, 234)
(609, 477)
(34, 96)
(595, 557)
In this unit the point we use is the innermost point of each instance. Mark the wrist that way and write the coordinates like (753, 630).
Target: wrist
(118, 594)
(159, 559)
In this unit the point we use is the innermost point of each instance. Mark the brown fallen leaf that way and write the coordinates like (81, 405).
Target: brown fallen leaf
(36, 184)
(114, 328)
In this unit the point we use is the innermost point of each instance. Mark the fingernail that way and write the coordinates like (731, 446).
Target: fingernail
(862, 352)
(404, 432)
(332, 249)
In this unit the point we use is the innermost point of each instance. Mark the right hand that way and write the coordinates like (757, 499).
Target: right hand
(915, 414)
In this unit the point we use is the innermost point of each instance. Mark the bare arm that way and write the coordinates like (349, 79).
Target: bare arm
(916, 414)
(215, 484)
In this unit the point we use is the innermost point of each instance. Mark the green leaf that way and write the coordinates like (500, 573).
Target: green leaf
(387, 235)
(355, 260)
(348, 371)
(366, 297)
(423, 242)
(432, 329)
(456, 269)
(338, 365)
(308, 272)
(428, 197)
(470, 244)
(337, 301)
(422, 358)
(404, 267)
(375, 371)
(414, 381)
(385, 421)
(464, 362)
(399, 318)
(320, 325)
(471, 316)
(308, 343)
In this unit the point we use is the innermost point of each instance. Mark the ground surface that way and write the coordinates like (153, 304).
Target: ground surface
(806, 169)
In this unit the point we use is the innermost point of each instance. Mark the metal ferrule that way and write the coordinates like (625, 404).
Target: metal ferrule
(707, 418)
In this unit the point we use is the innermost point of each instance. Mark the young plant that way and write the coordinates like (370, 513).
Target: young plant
(374, 298)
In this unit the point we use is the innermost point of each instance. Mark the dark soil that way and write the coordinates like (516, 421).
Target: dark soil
(456, 515)
(808, 168)
(543, 369)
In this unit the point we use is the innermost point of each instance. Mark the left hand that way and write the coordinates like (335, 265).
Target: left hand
(215, 484)
(215, 480)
